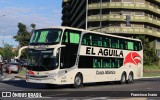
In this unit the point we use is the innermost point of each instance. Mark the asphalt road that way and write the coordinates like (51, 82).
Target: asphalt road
(96, 91)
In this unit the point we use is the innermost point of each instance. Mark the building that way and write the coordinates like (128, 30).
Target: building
(121, 17)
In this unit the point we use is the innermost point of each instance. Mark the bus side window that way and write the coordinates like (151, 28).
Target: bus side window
(106, 63)
(58, 36)
(84, 41)
(97, 40)
(106, 42)
(65, 38)
(74, 38)
(115, 43)
(118, 62)
(87, 39)
(137, 46)
(112, 63)
(122, 44)
(130, 45)
(96, 63)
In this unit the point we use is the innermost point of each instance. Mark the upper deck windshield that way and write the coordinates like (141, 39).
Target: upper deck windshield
(46, 36)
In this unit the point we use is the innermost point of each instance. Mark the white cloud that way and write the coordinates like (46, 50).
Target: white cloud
(26, 15)
(8, 36)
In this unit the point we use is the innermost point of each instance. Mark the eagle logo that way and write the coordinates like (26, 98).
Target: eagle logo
(133, 58)
(30, 72)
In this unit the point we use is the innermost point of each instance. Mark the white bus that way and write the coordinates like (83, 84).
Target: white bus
(67, 55)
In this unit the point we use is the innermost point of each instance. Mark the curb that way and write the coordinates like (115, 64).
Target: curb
(22, 77)
(152, 77)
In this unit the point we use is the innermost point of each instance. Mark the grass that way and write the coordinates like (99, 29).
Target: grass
(22, 73)
(150, 71)
(151, 74)
(152, 67)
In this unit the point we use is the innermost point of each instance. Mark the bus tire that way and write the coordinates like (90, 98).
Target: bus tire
(78, 81)
(123, 78)
(130, 78)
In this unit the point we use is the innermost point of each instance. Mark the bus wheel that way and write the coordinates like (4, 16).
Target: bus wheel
(123, 79)
(130, 78)
(78, 81)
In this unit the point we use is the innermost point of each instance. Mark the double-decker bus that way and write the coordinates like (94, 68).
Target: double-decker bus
(68, 55)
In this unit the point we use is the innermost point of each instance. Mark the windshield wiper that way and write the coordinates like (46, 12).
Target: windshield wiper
(44, 67)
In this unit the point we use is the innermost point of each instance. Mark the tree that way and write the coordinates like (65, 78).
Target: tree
(23, 36)
(149, 54)
(33, 26)
(7, 52)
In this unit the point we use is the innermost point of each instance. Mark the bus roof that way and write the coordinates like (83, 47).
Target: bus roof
(87, 31)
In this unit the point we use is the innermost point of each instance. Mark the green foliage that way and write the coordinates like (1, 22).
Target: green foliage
(23, 36)
(149, 54)
(151, 74)
(152, 67)
(6, 52)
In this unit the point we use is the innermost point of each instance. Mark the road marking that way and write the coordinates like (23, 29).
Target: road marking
(99, 98)
(2, 88)
(39, 98)
(11, 79)
(135, 99)
(18, 90)
(17, 79)
(6, 79)
(151, 77)
(57, 95)
(148, 88)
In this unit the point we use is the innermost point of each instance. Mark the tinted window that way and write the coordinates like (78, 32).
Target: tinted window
(96, 40)
(115, 43)
(106, 42)
(130, 45)
(90, 39)
(71, 36)
(100, 62)
(46, 36)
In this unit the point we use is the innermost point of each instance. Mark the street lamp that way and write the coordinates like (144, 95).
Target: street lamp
(3, 38)
(101, 16)
(128, 19)
(86, 14)
(2, 33)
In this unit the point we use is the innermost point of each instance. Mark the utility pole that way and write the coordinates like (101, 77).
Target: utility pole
(101, 16)
(86, 14)
(2, 37)
(128, 19)
(2, 33)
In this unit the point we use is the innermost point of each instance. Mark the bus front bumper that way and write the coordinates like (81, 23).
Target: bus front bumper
(40, 80)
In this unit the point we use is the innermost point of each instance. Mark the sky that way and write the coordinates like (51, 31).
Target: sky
(43, 13)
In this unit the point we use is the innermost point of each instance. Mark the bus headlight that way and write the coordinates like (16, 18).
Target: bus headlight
(51, 75)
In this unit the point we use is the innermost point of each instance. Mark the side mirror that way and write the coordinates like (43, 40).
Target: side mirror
(62, 65)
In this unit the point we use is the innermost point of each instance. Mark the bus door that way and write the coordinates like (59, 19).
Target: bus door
(68, 56)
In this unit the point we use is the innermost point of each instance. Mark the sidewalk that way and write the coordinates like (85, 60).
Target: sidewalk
(152, 77)
(22, 74)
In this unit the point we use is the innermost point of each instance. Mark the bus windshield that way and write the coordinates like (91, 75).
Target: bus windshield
(46, 36)
(42, 60)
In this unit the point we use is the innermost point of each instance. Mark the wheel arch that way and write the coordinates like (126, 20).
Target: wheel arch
(79, 73)
(124, 72)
